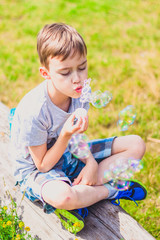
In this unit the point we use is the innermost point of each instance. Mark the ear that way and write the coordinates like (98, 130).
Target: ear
(44, 73)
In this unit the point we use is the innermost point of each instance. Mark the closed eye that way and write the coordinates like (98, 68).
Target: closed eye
(65, 74)
(81, 69)
(69, 72)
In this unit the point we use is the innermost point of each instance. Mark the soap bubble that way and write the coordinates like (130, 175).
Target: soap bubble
(135, 164)
(78, 146)
(100, 99)
(126, 117)
(120, 185)
(121, 170)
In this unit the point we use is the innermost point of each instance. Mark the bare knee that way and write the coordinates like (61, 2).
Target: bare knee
(138, 146)
(132, 145)
(59, 196)
(65, 200)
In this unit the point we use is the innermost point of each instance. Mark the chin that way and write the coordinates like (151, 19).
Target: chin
(77, 95)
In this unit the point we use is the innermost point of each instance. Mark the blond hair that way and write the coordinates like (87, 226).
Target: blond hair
(60, 40)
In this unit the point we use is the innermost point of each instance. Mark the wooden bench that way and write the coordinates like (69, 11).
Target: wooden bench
(104, 222)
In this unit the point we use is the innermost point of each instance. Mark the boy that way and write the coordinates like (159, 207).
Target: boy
(43, 125)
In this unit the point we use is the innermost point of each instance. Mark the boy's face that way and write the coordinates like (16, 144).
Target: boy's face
(68, 76)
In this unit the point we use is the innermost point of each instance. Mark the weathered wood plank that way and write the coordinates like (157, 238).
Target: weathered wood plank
(105, 221)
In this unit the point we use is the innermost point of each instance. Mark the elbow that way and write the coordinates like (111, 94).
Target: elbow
(42, 168)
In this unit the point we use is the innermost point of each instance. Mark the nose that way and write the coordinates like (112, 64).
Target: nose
(76, 77)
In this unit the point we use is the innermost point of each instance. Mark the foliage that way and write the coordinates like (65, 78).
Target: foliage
(11, 226)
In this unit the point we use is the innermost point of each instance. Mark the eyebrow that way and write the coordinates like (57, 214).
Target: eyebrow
(69, 67)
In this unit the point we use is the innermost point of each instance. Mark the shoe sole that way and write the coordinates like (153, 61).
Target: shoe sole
(71, 220)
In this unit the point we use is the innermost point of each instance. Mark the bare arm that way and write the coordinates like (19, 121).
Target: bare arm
(46, 159)
(89, 174)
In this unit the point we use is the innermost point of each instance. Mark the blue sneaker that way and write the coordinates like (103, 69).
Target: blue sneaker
(83, 212)
(135, 192)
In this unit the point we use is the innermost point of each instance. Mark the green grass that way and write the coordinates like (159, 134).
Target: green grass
(123, 55)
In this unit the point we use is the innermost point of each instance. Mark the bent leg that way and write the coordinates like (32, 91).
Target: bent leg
(131, 146)
(61, 195)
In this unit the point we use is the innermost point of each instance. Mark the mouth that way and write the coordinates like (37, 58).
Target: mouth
(78, 89)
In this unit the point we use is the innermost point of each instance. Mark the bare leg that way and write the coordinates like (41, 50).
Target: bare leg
(131, 146)
(61, 195)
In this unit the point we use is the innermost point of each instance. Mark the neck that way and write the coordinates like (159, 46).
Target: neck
(59, 99)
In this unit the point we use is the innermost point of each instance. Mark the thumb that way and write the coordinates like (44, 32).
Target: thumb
(73, 117)
(77, 180)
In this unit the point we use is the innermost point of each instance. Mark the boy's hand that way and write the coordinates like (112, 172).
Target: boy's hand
(88, 175)
(70, 127)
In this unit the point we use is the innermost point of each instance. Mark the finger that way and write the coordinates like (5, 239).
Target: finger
(74, 182)
(78, 124)
(87, 122)
(82, 125)
(85, 182)
(80, 121)
(73, 117)
(77, 180)
(85, 126)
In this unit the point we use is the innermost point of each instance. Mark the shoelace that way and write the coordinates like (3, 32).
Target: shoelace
(83, 212)
(123, 194)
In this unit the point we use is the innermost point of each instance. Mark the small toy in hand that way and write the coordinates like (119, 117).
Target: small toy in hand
(121, 170)
(80, 112)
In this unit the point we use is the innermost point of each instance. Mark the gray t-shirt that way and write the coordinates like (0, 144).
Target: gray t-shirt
(37, 121)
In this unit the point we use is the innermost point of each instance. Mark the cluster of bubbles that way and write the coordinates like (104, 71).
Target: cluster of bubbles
(98, 99)
(78, 146)
(123, 169)
(126, 117)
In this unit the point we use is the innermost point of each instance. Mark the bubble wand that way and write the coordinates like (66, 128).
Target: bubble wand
(86, 92)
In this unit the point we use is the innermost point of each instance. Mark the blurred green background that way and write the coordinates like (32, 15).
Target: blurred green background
(123, 40)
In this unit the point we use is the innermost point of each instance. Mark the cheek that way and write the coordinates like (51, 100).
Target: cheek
(64, 83)
(84, 74)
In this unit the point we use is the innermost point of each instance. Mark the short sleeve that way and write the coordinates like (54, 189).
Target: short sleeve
(33, 131)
